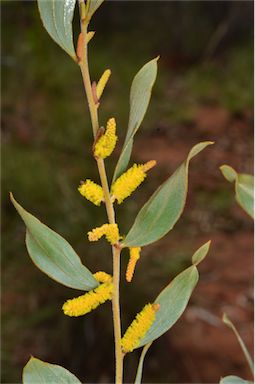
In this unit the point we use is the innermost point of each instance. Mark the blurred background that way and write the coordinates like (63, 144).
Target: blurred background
(203, 92)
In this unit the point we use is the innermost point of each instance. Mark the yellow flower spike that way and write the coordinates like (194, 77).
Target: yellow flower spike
(112, 234)
(86, 303)
(92, 192)
(102, 277)
(130, 180)
(139, 327)
(134, 253)
(110, 231)
(150, 164)
(102, 83)
(83, 304)
(97, 233)
(106, 143)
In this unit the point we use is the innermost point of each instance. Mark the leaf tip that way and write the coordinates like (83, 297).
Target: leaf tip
(228, 172)
(226, 319)
(12, 199)
(201, 253)
(14, 202)
(30, 360)
(206, 143)
(196, 149)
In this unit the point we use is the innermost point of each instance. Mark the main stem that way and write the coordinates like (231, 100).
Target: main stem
(109, 206)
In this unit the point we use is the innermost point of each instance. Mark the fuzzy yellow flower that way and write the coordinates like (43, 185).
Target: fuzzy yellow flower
(106, 143)
(102, 83)
(130, 180)
(102, 277)
(134, 256)
(110, 231)
(86, 303)
(92, 192)
(139, 327)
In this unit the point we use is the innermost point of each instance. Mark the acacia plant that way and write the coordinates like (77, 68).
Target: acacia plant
(53, 255)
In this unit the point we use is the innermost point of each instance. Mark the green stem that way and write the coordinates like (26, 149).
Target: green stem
(105, 186)
(139, 372)
(108, 203)
(85, 73)
(116, 316)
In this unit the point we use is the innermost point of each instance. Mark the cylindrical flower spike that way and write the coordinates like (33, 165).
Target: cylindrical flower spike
(134, 256)
(150, 164)
(111, 232)
(130, 180)
(92, 192)
(102, 83)
(139, 327)
(86, 303)
(102, 277)
(106, 143)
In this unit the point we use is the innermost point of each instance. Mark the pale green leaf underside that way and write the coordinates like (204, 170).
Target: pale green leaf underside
(53, 255)
(173, 301)
(39, 372)
(57, 16)
(233, 380)
(140, 95)
(163, 209)
(244, 188)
